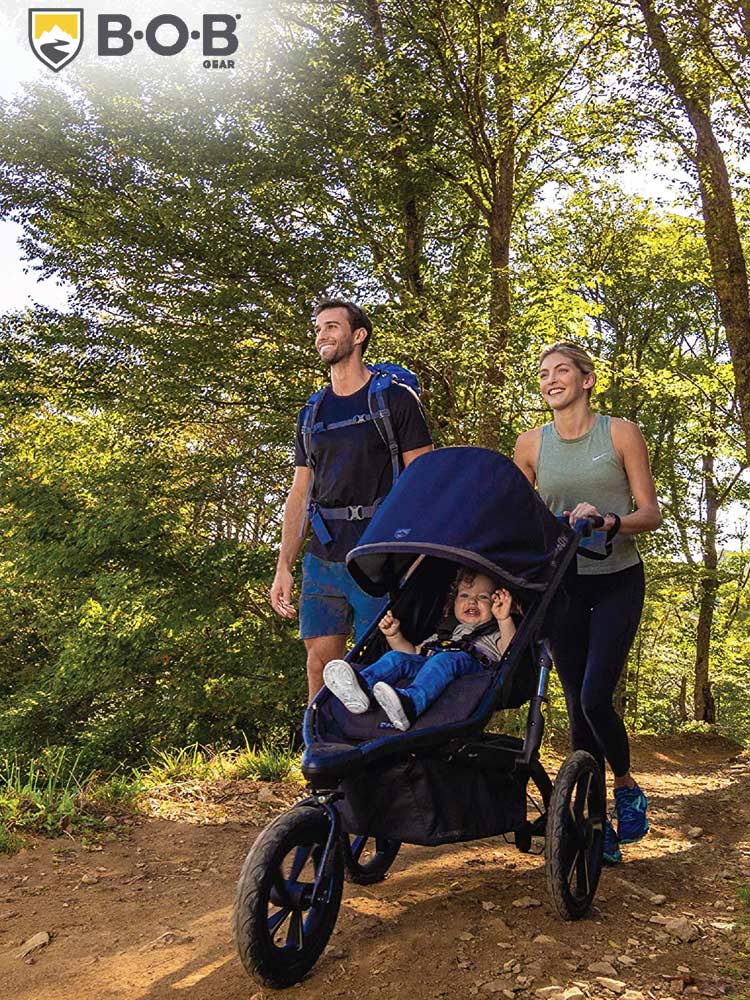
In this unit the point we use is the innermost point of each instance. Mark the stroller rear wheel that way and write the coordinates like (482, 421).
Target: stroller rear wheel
(575, 835)
(288, 897)
(368, 859)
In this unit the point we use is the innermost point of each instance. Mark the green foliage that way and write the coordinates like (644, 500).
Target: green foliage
(130, 626)
(374, 151)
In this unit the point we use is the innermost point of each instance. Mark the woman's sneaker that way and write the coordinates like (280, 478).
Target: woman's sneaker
(630, 806)
(612, 853)
(398, 707)
(343, 680)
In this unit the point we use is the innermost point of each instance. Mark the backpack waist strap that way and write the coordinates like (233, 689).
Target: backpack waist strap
(354, 512)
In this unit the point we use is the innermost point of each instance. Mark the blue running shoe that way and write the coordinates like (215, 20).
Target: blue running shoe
(611, 845)
(630, 806)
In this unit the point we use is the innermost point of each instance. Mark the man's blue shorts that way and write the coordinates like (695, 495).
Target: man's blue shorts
(331, 601)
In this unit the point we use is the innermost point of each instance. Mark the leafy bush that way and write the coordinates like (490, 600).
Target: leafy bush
(125, 629)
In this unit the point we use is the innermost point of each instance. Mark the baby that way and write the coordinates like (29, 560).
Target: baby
(484, 631)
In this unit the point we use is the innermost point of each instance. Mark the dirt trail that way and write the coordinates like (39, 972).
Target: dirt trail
(146, 917)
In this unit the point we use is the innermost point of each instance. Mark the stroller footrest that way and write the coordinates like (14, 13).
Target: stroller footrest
(334, 759)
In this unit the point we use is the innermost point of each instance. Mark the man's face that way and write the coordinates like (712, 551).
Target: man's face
(334, 338)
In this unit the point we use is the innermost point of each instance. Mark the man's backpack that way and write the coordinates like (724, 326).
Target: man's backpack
(383, 377)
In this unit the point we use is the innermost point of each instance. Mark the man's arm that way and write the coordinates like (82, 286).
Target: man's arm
(409, 456)
(292, 537)
(412, 433)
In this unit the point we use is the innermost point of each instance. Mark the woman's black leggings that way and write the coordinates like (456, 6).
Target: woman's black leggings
(590, 648)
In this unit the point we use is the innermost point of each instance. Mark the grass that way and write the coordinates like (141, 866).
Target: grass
(273, 759)
(52, 795)
(42, 796)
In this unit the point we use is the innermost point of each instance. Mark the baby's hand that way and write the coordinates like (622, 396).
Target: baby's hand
(389, 625)
(502, 603)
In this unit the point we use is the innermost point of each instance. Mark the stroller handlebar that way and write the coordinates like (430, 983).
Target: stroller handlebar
(585, 525)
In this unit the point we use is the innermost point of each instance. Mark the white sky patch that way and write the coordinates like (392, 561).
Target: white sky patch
(20, 286)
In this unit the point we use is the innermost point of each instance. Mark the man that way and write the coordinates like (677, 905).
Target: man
(343, 468)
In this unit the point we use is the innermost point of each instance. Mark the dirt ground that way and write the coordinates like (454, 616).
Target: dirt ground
(145, 915)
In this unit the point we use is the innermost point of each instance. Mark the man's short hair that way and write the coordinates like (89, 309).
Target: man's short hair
(357, 316)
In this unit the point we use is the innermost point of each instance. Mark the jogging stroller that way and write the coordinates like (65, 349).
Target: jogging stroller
(446, 779)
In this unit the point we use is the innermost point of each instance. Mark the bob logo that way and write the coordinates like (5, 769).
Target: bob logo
(168, 35)
(401, 532)
(56, 35)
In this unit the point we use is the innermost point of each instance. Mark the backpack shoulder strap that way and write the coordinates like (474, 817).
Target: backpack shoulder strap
(380, 383)
(309, 417)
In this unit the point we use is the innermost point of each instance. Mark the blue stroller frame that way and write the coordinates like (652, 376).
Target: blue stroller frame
(445, 780)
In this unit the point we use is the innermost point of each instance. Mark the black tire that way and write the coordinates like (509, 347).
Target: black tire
(540, 778)
(367, 859)
(575, 835)
(280, 932)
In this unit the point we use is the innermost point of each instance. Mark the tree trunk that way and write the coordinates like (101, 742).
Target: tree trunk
(728, 264)
(412, 213)
(502, 168)
(683, 699)
(703, 702)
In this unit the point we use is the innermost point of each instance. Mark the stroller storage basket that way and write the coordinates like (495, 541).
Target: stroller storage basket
(432, 800)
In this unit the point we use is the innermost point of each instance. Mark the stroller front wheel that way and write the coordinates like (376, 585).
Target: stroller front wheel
(574, 843)
(288, 897)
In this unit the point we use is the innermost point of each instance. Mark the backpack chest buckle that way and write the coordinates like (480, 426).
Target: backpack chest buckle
(355, 513)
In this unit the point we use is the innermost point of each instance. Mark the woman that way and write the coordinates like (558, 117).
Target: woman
(583, 464)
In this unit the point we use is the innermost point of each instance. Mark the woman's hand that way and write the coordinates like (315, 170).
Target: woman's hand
(502, 604)
(389, 626)
(581, 510)
(588, 510)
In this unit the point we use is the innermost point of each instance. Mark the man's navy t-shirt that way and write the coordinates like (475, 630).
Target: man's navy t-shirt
(352, 464)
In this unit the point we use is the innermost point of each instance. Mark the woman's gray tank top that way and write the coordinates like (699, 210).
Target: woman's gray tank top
(587, 469)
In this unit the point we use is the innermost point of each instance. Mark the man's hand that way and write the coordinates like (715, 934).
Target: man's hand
(281, 594)
(389, 626)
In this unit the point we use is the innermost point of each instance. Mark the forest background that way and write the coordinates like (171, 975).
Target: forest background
(462, 168)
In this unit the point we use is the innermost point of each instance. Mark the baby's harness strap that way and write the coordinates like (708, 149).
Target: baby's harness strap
(469, 643)
(379, 412)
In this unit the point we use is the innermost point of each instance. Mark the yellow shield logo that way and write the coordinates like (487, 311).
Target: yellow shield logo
(56, 35)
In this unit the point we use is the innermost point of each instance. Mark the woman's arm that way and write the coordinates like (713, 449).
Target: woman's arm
(526, 453)
(629, 444)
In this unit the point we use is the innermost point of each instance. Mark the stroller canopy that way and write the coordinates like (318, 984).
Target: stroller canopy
(468, 505)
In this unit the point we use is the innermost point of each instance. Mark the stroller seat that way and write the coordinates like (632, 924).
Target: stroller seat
(342, 742)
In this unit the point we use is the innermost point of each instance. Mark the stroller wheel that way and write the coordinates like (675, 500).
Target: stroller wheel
(368, 859)
(288, 897)
(575, 835)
